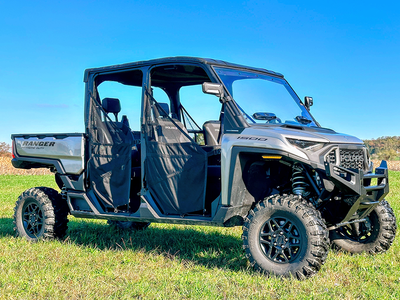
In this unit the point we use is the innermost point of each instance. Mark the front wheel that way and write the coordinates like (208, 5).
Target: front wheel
(375, 235)
(286, 237)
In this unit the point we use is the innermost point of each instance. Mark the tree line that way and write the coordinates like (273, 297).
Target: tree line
(5, 149)
(386, 147)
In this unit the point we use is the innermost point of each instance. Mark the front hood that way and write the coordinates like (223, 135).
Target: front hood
(317, 134)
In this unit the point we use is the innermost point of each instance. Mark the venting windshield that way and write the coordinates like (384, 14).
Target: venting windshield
(265, 99)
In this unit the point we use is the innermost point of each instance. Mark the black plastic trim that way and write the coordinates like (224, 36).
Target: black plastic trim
(236, 150)
(368, 196)
(32, 163)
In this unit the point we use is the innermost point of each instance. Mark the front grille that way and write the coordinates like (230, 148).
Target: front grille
(331, 157)
(349, 159)
(352, 159)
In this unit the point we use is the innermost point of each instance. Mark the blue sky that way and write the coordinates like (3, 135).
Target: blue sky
(346, 54)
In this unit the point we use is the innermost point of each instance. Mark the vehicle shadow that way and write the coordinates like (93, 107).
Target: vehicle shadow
(199, 245)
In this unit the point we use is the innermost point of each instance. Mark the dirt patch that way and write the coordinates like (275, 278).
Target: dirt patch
(392, 165)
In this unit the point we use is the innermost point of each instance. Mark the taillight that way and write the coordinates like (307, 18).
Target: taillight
(12, 149)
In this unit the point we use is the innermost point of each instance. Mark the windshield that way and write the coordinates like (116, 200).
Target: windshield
(265, 99)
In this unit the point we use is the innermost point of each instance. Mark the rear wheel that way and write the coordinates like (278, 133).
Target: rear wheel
(40, 213)
(376, 235)
(129, 224)
(285, 237)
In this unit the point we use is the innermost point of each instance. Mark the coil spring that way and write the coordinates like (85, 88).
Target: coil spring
(299, 184)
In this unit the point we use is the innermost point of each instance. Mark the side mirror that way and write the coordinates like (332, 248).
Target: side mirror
(308, 102)
(216, 89)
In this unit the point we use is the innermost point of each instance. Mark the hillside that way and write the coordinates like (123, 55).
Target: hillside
(386, 147)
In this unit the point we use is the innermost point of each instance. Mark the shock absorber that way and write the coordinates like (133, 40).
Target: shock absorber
(299, 184)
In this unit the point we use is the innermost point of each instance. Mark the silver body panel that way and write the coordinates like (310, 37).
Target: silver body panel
(319, 136)
(68, 149)
(273, 138)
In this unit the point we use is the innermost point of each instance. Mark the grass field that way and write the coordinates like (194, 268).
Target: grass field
(97, 261)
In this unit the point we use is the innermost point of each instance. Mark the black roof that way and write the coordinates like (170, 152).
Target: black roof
(176, 59)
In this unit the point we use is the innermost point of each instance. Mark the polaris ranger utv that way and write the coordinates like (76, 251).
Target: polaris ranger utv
(252, 156)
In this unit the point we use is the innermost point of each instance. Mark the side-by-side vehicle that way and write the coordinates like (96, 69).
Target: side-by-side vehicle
(204, 142)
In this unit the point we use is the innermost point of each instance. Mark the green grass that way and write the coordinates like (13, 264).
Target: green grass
(97, 261)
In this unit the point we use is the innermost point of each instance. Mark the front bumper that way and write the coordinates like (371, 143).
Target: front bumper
(367, 196)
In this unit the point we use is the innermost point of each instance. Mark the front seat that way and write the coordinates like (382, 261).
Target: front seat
(167, 129)
(212, 133)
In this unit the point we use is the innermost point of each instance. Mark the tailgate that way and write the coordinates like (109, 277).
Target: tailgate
(63, 151)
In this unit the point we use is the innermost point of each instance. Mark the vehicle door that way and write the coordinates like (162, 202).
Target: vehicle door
(175, 164)
(110, 138)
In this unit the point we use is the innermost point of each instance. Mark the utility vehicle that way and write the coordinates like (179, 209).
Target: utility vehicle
(209, 143)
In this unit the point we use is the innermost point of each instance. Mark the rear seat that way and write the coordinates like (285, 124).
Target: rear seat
(112, 105)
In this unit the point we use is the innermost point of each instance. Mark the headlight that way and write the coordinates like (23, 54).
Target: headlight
(306, 145)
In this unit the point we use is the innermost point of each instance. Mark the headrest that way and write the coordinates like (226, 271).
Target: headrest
(111, 105)
(164, 107)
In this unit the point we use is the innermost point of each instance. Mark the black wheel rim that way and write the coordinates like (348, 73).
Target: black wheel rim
(280, 240)
(32, 219)
(360, 232)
